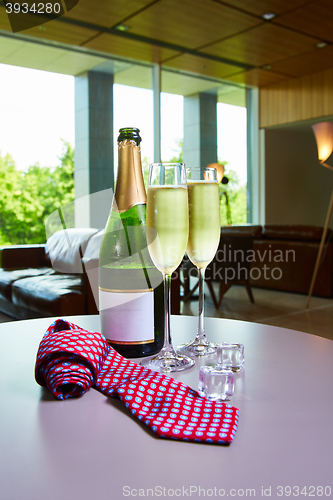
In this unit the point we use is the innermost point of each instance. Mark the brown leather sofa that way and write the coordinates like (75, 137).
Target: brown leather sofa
(46, 280)
(285, 259)
(56, 279)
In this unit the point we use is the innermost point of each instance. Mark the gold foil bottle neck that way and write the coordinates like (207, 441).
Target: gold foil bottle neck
(130, 189)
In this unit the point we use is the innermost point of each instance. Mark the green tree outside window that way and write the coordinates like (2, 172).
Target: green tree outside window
(28, 198)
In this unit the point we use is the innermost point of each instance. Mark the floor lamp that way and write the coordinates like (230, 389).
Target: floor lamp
(324, 137)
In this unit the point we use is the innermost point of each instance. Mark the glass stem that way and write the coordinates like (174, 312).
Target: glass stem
(167, 312)
(201, 327)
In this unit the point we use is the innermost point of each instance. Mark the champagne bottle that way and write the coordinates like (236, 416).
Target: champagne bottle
(130, 287)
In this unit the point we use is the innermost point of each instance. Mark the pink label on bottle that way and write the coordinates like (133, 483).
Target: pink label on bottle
(127, 317)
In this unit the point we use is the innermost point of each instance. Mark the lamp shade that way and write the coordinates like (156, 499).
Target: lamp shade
(324, 137)
(219, 168)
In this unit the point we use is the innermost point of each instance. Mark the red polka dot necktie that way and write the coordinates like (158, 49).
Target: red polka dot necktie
(70, 360)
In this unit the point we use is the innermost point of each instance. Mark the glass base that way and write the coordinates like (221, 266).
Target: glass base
(197, 348)
(168, 361)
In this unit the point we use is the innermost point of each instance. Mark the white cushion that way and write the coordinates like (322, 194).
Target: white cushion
(65, 249)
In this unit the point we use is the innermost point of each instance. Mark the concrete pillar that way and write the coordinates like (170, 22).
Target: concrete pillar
(200, 130)
(255, 161)
(94, 171)
(157, 111)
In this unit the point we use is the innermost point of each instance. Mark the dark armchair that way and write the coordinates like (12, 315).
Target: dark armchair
(232, 262)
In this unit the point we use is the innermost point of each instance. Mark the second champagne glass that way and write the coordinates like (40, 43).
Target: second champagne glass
(204, 238)
(167, 234)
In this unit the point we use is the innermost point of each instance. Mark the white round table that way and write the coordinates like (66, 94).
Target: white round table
(91, 448)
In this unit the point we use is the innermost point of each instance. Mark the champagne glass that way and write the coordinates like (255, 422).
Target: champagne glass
(167, 234)
(203, 241)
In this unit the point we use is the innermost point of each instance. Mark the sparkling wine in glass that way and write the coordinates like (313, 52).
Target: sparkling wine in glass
(167, 226)
(203, 241)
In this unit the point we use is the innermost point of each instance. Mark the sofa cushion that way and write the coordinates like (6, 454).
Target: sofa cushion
(53, 295)
(93, 247)
(291, 232)
(66, 248)
(7, 278)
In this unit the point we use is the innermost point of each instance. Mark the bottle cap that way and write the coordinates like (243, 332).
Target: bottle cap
(129, 133)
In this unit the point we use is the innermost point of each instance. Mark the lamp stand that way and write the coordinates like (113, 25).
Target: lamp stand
(321, 248)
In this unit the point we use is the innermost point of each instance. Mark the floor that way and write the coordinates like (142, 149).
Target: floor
(271, 307)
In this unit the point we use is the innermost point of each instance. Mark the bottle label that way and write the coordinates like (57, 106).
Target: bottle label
(128, 317)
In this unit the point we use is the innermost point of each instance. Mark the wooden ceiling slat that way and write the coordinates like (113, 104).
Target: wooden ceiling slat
(311, 62)
(194, 64)
(316, 19)
(106, 13)
(129, 48)
(4, 21)
(226, 29)
(61, 32)
(190, 23)
(263, 45)
(260, 7)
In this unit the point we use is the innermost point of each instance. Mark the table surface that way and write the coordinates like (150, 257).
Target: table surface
(91, 447)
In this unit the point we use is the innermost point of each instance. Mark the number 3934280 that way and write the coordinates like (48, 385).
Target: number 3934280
(35, 8)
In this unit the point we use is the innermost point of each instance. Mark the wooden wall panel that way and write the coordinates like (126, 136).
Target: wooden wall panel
(297, 99)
